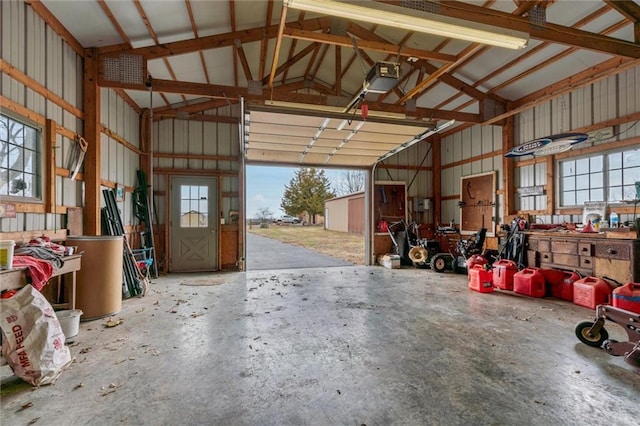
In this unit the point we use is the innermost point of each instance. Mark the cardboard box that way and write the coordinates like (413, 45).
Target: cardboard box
(391, 261)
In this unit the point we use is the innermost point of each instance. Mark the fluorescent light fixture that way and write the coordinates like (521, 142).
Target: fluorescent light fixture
(414, 20)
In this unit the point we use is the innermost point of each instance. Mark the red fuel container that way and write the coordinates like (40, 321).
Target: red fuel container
(591, 292)
(529, 282)
(503, 272)
(627, 297)
(480, 279)
(476, 259)
(560, 283)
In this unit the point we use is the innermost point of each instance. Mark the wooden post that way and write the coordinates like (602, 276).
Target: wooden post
(436, 162)
(551, 200)
(92, 171)
(51, 131)
(145, 142)
(508, 167)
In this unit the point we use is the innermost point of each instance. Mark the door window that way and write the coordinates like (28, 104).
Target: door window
(194, 207)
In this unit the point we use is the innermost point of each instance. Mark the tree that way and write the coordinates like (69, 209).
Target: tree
(351, 181)
(264, 214)
(307, 191)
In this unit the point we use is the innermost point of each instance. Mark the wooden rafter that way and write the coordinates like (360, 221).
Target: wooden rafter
(265, 39)
(509, 65)
(232, 18)
(194, 28)
(214, 41)
(41, 10)
(366, 45)
(631, 11)
(550, 32)
(276, 52)
(243, 61)
(282, 68)
(292, 48)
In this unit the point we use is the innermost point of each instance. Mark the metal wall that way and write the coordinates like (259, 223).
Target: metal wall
(35, 50)
(208, 140)
(474, 150)
(608, 99)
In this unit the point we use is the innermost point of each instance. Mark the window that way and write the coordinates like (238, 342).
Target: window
(607, 177)
(20, 174)
(194, 206)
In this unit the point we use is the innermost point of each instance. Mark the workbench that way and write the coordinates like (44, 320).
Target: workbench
(17, 277)
(597, 255)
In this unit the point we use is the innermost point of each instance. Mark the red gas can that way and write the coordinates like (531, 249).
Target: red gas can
(591, 292)
(529, 282)
(476, 259)
(480, 279)
(503, 272)
(560, 283)
(627, 297)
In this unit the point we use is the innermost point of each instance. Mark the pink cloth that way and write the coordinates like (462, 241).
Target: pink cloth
(37, 269)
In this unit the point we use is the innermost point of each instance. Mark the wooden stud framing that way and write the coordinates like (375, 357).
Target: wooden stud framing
(50, 147)
(92, 167)
(508, 168)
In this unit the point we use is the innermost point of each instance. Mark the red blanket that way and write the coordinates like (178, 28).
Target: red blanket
(37, 269)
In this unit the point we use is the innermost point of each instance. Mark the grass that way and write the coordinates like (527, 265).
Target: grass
(340, 245)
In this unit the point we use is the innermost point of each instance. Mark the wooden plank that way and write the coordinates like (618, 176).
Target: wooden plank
(92, 127)
(50, 166)
(436, 161)
(508, 168)
(32, 84)
(26, 236)
(122, 141)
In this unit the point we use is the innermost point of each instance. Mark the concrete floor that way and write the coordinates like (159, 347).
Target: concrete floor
(333, 346)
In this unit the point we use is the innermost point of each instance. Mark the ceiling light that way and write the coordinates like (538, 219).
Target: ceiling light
(415, 20)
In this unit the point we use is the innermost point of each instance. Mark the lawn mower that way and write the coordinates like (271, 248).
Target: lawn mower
(459, 250)
(594, 334)
(407, 243)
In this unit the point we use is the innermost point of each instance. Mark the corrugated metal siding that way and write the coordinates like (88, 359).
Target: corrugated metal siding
(199, 138)
(32, 47)
(337, 215)
(602, 101)
(356, 215)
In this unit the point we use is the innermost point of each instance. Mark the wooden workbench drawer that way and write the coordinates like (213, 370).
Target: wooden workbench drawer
(613, 251)
(585, 248)
(570, 260)
(545, 257)
(564, 247)
(532, 258)
(586, 262)
(544, 245)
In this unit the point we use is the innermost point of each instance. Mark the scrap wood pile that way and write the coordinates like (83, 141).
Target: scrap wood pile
(133, 282)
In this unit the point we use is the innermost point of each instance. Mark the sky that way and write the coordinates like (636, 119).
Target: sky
(265, 186)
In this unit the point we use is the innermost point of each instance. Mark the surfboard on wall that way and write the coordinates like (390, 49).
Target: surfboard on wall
(549, 145)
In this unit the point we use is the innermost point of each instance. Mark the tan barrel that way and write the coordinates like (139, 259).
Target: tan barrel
(99, 281)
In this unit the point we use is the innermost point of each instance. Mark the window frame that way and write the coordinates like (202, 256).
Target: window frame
(39, 166)
(605, 176)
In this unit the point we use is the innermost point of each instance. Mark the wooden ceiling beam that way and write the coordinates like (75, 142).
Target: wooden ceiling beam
(304, 52)
(631, 11)
(264, 43)
(550, 32)
(226, 94)
(276, 51)
(589, 76)
(292, 48)
(214, 41)
(366, 45)
(243, 61)
(43, 12)
(194, 28)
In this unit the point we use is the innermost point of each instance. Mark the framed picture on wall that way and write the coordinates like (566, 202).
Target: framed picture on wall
(119, 192)
(478, 203)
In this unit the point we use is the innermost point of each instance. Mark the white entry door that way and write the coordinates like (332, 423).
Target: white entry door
(194, 224)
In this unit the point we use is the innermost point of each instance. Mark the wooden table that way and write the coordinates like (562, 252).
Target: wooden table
(17, 277)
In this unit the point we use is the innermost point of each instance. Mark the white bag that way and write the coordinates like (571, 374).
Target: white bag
(32, 339)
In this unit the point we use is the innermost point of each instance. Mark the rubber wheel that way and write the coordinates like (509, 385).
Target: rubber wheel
(438, 263)
(596, 340)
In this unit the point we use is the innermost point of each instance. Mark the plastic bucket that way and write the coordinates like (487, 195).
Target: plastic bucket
(69, 322)
(6, 254)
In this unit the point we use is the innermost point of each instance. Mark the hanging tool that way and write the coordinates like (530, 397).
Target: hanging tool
(80, 152)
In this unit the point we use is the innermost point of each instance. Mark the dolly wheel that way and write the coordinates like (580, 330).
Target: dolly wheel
(438, 263)
(592, 339)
